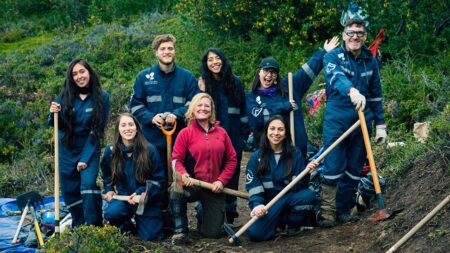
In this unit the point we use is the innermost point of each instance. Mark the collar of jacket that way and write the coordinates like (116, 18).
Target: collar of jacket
(211, 127)
(162, 73)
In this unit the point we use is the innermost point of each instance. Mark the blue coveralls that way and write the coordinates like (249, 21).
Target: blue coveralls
(343, 165)
(80, 191)
(119, 213)
(293, 208)
(260, 107)
(157, 92)
(234, 119)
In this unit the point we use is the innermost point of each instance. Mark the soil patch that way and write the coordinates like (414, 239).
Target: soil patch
(421, 188)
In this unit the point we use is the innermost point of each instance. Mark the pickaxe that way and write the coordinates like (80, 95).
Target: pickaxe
(140, 199)
(234, 237)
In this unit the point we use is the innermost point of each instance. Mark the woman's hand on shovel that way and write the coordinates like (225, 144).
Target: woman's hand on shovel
(312, 166)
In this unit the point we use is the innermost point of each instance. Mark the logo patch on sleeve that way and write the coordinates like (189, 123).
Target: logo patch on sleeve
(330, 67)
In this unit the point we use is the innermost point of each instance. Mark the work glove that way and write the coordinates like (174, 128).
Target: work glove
(358, 100)
(380, 136)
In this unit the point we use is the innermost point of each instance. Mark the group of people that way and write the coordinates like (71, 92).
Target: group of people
(211, 118)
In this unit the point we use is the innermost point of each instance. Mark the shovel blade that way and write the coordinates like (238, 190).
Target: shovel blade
(382, 215)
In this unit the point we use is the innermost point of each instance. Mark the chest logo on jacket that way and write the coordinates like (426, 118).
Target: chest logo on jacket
(150, 76)
(256, 110)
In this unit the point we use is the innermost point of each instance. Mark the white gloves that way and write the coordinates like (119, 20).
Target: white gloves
(358, 100)
(380, 136)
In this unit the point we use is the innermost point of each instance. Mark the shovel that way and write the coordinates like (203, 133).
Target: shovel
(168, 131)
(382, 213)
(26, 202)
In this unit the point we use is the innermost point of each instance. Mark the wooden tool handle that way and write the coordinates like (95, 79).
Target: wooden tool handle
(56, 189)
(22, 219)
(291, 114)
(210, 186)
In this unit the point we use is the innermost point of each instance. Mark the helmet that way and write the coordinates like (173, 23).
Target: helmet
(354, 12)
(48, 219)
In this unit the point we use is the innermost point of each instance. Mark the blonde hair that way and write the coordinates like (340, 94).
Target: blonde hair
(158, 40)
(194, 102)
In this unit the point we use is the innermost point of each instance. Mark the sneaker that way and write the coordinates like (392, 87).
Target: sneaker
(180, 238)
(346, 218)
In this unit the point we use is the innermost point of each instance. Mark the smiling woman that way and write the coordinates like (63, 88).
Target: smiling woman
(269, 170)
(202, 150)
(127, 165)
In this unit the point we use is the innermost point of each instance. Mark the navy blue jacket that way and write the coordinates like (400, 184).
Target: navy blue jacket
(262, 189)
(157, 92)
(259, 113)
(85, 143)
(232, 117)
(128, 184)
(342, 72)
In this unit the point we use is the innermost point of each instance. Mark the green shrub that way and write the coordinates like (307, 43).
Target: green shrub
(85, 239)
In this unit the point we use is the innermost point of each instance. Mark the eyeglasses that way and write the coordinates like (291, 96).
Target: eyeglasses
(270, 71)
(360, 34)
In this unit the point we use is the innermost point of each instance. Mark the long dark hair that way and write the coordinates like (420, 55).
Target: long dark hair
(266, 150)
(256, 83)
(226, 76)
(142, 162)
(68, 95)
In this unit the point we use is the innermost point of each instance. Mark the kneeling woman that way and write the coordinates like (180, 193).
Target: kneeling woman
(203, 150)
(269, 170)
(126, 167)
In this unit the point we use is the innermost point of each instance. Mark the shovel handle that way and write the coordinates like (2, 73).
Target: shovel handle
(209, 186)
(291, 114)
(136, 198)
(22, 219)
(419, 225)
(56, 189)
(365, 134)
(295, 181)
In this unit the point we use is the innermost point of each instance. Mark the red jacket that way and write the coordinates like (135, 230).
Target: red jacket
(206, 156)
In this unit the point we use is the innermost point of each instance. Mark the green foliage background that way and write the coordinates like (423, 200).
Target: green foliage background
(38, 39)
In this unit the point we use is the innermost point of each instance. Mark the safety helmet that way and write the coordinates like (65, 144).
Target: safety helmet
(354, 11)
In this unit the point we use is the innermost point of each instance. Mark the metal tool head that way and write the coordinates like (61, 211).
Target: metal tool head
(30, 198)
(232, 234)
(144, 198)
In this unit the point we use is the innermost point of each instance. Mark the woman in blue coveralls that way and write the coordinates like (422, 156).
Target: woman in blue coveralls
(269, 94)
(83, 108)
(127, 165)
(269, 170)
(227, 91)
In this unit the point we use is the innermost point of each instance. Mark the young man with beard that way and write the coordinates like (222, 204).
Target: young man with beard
(352, 78)
(161, 95)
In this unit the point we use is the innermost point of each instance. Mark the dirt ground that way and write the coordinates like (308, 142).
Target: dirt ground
(422, 188)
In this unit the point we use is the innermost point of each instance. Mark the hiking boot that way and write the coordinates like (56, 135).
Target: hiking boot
(327, 223)
(346, 218)
(180, 238)
(296, 231)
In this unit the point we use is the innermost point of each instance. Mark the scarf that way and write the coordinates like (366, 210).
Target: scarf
(271, 91)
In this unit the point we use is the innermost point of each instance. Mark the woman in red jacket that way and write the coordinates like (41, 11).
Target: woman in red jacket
(203, 151)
